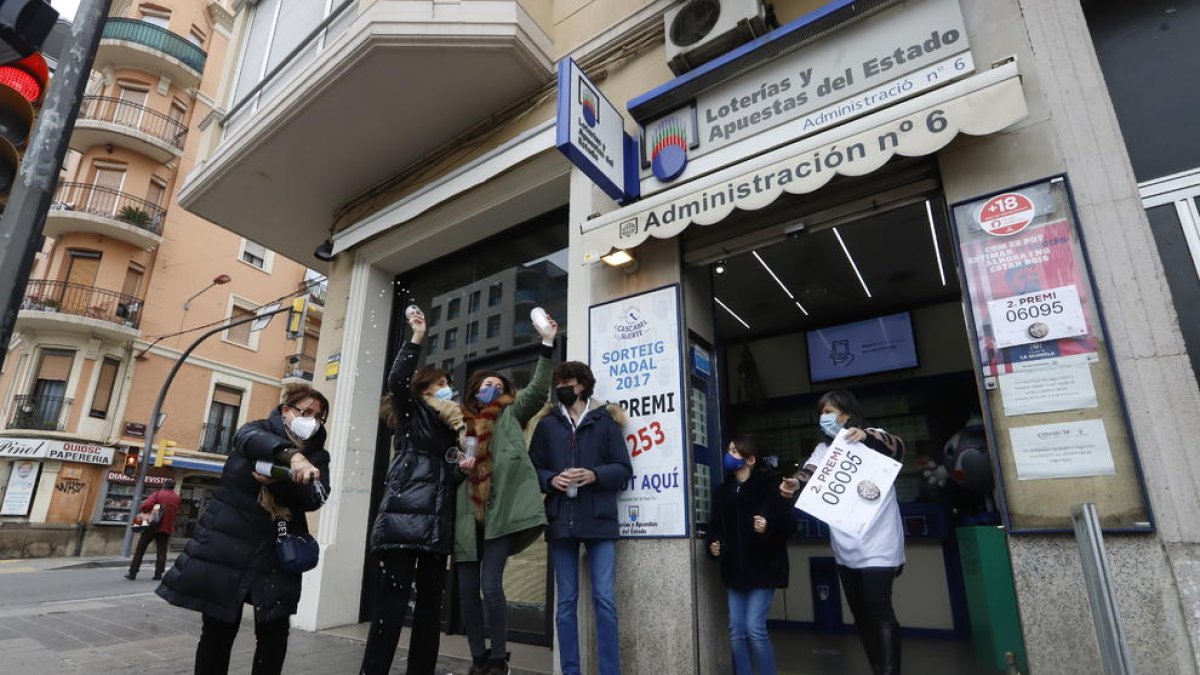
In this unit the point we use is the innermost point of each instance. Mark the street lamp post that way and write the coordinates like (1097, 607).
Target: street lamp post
(263, 316)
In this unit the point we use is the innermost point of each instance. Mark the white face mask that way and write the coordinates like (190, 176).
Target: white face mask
(304, 427)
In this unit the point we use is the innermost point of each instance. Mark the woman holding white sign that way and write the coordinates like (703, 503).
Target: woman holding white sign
(748, 533)
(867, 563)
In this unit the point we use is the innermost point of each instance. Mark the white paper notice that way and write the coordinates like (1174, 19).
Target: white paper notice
(1042, 390)
(1065, 450)
(849, 486)
(1034, 317)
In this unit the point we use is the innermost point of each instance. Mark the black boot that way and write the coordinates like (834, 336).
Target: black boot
(870, 639)
(889, 648)
(499, 666)
(479, 665)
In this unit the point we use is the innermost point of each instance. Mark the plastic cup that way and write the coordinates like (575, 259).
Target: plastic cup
(470, 443)
(410, 311)
(540, 320)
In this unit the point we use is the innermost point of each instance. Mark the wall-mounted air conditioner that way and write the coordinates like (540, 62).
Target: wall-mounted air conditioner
(701, 30)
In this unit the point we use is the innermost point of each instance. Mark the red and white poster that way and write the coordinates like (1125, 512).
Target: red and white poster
(1015, 269)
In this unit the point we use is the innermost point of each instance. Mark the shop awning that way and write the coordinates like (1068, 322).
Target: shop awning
(979, 105)
(196, 464)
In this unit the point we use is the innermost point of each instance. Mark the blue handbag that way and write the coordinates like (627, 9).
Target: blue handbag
(296, 553)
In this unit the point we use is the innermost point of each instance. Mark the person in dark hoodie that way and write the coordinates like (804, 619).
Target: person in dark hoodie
(579, 451)
(413, 533)
(230, 561)
(748, 534)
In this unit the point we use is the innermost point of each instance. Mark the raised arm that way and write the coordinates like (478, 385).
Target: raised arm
(400, 376)
(531, 399)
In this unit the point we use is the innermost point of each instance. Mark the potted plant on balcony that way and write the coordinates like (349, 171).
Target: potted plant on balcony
(134, 216)
(49, 304)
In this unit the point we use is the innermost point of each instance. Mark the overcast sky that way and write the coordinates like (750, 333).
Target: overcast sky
(66, 8)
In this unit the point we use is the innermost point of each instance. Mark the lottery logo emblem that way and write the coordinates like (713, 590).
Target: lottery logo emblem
(1038, 330)
(590, 102)
(668, 158)
(869, 491)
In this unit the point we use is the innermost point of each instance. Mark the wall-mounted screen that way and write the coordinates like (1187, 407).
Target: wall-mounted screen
(861, 348)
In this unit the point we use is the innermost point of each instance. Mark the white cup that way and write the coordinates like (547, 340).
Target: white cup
(470, 443)
(410, 311)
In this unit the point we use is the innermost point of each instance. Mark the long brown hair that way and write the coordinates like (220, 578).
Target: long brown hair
(420, 381)
(471, 404)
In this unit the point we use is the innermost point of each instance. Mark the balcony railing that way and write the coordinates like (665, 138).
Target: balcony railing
(133, 116)
(109, 203)
(155, 37)
(299, 365)
(45, 413)
(79, 300)
(216, 438)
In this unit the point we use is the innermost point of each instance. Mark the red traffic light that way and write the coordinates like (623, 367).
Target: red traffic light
(27, 77)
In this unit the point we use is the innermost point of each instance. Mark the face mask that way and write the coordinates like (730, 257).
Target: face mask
(304, 427)
(445, 393)
(566, 395)
(829, 424)
(732, 463)
(487, 394)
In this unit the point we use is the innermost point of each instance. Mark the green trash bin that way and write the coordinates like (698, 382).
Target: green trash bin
(991, 596)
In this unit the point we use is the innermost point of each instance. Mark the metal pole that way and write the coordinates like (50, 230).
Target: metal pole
(139, 486)
(1110, 633)
(21, 227)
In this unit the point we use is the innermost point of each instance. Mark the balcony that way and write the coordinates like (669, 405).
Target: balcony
(103, 120)
(216, 439)
(82, 207)
(41, 413)
(60, 306)
(364, 96)
(130, 43)
(298, 367)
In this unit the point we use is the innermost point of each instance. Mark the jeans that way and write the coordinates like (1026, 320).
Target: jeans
(748, 631)
(486, 574)
(216, 643)
(869, 594)
(564, 557)
(161, 541)
(400, 570)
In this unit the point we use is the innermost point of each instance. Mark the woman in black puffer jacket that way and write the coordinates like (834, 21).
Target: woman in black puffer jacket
(230, 560)
(413, 535)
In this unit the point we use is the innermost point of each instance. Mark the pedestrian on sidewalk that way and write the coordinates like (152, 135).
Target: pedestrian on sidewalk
(748, 534)
(499, 506)
(582, 462)
(413, 534)
(168, 505)
(231, 560)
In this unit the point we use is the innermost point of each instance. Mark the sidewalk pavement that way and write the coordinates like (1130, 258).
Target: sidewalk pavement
(140, 634)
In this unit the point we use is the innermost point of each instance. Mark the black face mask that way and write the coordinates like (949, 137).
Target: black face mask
(566, 395)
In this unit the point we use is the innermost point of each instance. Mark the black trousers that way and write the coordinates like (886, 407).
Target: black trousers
(216, 643)
(401, 571)
(161, 541)
(869, 594)
(485, 575)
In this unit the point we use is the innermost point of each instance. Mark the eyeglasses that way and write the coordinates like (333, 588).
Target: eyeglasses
(308, 412)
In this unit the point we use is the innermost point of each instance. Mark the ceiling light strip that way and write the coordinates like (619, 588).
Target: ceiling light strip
(731, 312)
(852, 263)
(937, 250)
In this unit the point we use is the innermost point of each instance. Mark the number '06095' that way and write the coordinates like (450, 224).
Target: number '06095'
(840, 479)
(646, 438)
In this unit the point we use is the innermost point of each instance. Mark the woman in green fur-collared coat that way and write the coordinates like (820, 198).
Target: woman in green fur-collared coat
(499, 509)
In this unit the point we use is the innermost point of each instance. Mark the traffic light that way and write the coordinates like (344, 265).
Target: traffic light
(297, 316)
(22, 86)
(24, 25)
(164, 454)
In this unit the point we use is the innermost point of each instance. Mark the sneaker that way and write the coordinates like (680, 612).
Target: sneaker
(131, 576)
(479, 666)
(498, 666)
(158, 577)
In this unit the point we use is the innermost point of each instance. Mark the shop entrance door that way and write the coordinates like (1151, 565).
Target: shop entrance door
(870, 304)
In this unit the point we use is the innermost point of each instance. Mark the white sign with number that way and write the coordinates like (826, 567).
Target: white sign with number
(636, 358)
(849, 486)
(1036, 317)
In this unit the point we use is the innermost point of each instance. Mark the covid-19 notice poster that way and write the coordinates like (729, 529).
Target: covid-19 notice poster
(636, 354)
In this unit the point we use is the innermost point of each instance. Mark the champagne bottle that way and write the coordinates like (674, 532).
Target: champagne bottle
(276, 471)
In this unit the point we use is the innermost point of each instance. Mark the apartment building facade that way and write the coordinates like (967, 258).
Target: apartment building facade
(125, 279)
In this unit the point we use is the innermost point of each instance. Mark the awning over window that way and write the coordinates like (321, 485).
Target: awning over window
(979, 105)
